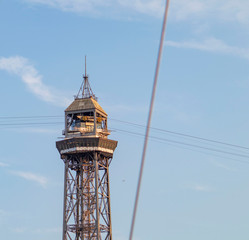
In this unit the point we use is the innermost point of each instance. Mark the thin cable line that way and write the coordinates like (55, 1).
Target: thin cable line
(130, 123)
(149, 118)
(154, 139)
(184, 135)
(19, 117)
(26, 124)
(186, 144)
(134, 133)
(8, 124)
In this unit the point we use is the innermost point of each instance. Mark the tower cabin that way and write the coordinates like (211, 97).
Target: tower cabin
(85, 117)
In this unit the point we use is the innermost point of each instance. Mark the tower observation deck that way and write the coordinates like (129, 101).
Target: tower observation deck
(87, 153)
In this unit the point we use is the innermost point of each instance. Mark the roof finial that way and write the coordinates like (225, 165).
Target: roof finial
(85, 65)
(85, 88)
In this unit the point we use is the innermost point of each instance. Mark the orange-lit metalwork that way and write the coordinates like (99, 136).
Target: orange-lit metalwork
(87, 153)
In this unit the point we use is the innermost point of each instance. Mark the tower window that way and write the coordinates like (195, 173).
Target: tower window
(80, 122)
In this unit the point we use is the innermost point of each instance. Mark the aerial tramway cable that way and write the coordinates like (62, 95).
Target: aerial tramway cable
(209, 145)
(159, 139)
(184, 135)
(149, 119)
(10, 121)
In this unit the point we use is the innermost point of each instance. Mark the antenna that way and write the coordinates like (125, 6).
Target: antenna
(85, 65)
(85, 88)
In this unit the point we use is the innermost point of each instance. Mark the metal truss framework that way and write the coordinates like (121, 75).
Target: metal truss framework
(87, 212)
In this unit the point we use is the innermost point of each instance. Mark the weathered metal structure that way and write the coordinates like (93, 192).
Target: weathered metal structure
(87, 153)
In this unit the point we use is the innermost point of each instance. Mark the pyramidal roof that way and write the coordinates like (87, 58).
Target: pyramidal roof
(85, 99)
(85, 104)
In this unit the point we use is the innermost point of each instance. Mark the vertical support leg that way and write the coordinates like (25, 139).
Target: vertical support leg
(64, 234)
(89, 202)
(78, 204)
(87, 210)
(81, 201)
(97, 227)
(109, 200)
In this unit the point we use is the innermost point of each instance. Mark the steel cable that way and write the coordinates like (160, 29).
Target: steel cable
(5, 122)
(149, 118)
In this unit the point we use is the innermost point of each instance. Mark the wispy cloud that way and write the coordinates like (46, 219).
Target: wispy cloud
(120, 108)
(19, 230)
(226, 10)
(3, 215)
(32, 177)
(199, 187)
(37, 230)
(53, 230)
(181, 10)
(2, 212)
(22, 67)
(2, 164)
(151, 7)
(36, 130)
(78, 6)
(43, 130)
(46, 230)
(211, 45)
(223, 166)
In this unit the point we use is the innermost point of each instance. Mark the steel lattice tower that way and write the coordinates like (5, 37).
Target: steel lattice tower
(87, 153)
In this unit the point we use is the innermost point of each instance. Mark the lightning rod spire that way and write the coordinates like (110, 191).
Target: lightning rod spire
(85, 88)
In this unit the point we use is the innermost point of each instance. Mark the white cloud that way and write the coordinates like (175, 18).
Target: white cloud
(2, 212)
(43, 130)
(200, 188)
(223, 166)
(3, 164)
(184, 9)
(25, 70)
(19, 230)
(212, 10)
(36, 130)
(150, 7)
(79, 6)
(122, 108)
(37, 230)
(211, 45)
(234, 10)
(227, 10)
(32, 177)
(53, 230)
(3, 215)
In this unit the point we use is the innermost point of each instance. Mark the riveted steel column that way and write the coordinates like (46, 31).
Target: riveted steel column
(64, 234)
(78, 194)
(109, 199)
(97, 228)
(81, 199)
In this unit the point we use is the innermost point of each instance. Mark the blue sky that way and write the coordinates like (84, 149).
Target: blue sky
(188, 192)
